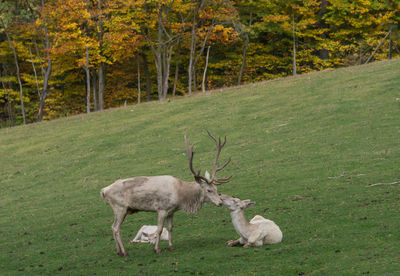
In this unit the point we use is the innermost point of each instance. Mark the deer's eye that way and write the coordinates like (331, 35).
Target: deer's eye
(208, 190)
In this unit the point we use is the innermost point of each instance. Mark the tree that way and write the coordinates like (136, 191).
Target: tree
(359, 26)
(5, 20)
(211, 21)
(162, 35)
(71, 56)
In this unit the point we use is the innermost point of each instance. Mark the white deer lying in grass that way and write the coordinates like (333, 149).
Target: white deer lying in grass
(258, 232)
(148, 234)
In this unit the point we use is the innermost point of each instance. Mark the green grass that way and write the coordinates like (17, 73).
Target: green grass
(303, 148)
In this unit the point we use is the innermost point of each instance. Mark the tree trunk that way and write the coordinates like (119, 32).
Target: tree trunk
(87, 69)
(101, 85)
(162, 56)
(323, 53)
(46, 72)
(167, 61)
(138, 78)
(377, 48)
(18, 73)
(148, 79)
(9, 108)
(203, 83)
(101, 71)
(40, 59)
(390, 44)
(44, 90)
(159, 63)
(294, 50)
(192, 62)
(194, 78)
(94, 88)
(245, 47)
(192, 52)
(176, 71)
(164, 70)
(34, 71)
(203, 45)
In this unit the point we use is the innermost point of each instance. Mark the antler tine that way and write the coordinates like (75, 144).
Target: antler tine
(209, 134)
(220, 181)
(224, 165)
(190, 153)
(223, 144)
(215, 165)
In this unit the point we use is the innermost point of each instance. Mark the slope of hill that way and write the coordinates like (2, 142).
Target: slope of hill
(305, 149)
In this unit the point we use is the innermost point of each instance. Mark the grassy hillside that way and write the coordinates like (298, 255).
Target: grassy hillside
(304, 149)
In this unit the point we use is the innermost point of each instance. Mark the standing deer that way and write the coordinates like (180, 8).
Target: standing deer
(164, 195)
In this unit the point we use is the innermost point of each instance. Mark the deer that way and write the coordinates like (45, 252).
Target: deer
(164, 195)
(257, 232)
(147, 234)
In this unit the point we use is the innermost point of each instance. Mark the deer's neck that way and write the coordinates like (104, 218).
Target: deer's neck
(242, 226)
(191, 197)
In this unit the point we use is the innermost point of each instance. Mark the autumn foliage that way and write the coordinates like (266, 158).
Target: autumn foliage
(77, 56)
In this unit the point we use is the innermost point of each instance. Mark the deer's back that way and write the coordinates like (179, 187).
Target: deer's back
(144, 193)
(271, 232)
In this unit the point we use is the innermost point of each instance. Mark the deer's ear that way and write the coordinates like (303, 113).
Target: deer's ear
(207, 176)
(199, 180)
(247, 203)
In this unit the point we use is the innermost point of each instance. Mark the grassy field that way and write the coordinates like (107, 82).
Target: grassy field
(303, 148)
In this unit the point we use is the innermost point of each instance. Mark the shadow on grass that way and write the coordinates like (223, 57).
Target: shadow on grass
(180, 246)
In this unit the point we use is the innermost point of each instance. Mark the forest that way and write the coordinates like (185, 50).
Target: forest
(64, 57)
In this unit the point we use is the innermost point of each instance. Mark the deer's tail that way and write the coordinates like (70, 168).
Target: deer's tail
(103, 194)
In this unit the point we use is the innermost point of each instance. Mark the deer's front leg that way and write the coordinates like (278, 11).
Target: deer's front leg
(233, 242)
(170, 222)
(138, 236)
(119, 216)
(161, 217)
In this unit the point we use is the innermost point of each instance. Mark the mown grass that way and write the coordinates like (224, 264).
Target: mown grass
(304, 149)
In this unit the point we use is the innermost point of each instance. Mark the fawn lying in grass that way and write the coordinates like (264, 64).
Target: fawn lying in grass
(257, 232)
(147, 234)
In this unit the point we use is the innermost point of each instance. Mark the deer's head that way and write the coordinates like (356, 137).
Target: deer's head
(151, 237)
(208, 182)
(233, 203)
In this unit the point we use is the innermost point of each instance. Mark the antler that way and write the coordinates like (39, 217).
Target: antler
(216, 169)
(213, 180)
(190, 154)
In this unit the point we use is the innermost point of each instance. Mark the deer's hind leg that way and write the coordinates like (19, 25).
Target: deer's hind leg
(253, 239)
(170, 222)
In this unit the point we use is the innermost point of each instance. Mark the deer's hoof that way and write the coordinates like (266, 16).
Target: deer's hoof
(158, 251)
(121, 254)
(230, 243)
(171, 248)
